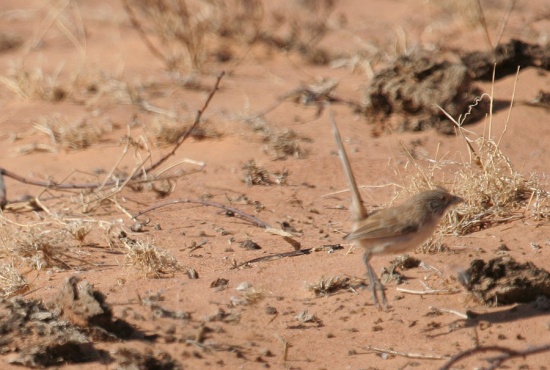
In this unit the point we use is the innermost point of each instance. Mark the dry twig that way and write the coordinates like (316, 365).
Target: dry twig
(230, 210)
(406, 354)
(273, 257)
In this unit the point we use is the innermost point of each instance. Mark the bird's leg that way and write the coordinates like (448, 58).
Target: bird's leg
(375, 284)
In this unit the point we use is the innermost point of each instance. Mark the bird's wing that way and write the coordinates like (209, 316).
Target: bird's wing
(392, 225)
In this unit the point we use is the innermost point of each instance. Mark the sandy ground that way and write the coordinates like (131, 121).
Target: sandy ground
(262, 315)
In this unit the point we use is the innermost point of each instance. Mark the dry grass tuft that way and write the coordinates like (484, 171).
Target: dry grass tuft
(76, 135)
(284, 143)
(181, 31)
(11, 281)
(79, 230)
(33, 83)
(280, 143)
(166, 130)
(39, 248)
(148, 258)
(494, 191)
(329, 285)
(186, 31)
(257, 175)
(188, 34)
(53, 243)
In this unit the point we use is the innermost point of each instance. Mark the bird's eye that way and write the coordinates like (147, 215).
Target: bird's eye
(437, 203)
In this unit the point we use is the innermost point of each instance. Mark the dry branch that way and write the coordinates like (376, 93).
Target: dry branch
(406, 354)
(428, 291)
(186, 134)
(273, 257)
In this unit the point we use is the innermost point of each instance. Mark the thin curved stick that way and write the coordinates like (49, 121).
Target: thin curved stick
(254, 220)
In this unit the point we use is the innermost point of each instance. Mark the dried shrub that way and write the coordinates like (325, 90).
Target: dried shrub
(148, 258)
(39, 248)
(405, 95)
(79, 230)
(494, 191)
(45, 246)
(181, 31)
(285, 143)
(280, 143)
(503, 281)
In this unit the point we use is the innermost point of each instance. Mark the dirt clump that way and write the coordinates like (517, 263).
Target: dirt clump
(411, 89)
(39, 338)
(503, 281)
(62, 331)
(507, 57)
(79, 303)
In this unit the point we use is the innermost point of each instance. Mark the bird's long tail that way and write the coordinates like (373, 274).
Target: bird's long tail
(358, 211)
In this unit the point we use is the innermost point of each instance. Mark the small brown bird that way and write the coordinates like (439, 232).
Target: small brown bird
(392, 230)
